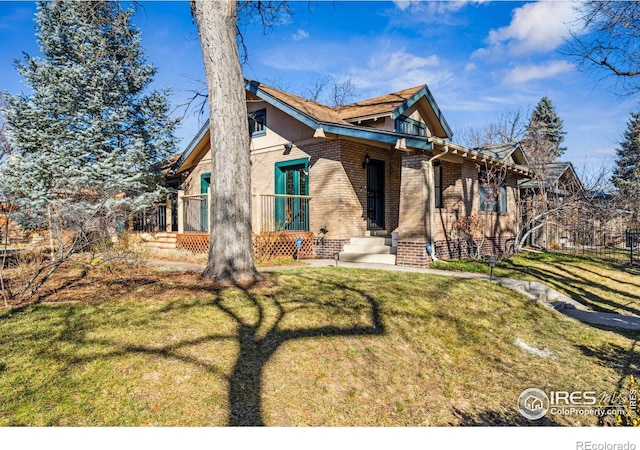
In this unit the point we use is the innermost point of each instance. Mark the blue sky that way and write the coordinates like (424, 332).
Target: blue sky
(478, 59)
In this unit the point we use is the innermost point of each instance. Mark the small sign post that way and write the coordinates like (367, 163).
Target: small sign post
(492, 263)
(299, 246)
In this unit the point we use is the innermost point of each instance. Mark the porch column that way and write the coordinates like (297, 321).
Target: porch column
(209, 209)
(180, 211)
(414, 207)
(256, 211)
(168, 214)
(413, 220)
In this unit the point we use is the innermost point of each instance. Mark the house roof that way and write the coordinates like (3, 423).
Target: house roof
(314, 110)
(552, 173)
(332, 121)
(379, 106)
(315, 116)
(394, 105)
(502, 152)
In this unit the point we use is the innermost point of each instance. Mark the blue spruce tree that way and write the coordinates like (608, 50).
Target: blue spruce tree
(86, 137)
(626, 174)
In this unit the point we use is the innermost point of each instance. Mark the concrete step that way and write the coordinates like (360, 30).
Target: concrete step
(376, 233)
(370, 241)
(367, 258)
(372, 249)
(166, 234)
(169, 240)
(163, 245)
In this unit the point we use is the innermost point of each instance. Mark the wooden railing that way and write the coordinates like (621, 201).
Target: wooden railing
(195, 213)
(151, 219)
(279, 212)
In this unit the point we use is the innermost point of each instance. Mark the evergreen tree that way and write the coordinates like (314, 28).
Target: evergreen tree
(626, 175)
(86, 137)
(545, 124)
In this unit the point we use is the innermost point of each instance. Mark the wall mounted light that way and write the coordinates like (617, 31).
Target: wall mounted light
(288, 146)
(367, 161)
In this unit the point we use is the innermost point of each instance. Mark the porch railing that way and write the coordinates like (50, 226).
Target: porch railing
(153, 219)
(279, 212)
(195, 213)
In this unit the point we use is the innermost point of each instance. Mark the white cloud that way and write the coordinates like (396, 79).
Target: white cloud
(397, 70)
(535, 27)
(522, 74)
(300, 35)
(402, 4)
(433, 7)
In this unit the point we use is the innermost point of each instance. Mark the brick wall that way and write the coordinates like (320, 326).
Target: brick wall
(337, 183)
(491, 246)
(461, 199)
(412, 254)
(326, 248)
(413, 208)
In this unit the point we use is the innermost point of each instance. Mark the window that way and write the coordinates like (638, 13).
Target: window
(291, 186)
(258, 123)
(407, 125)
(437, 182)
(493, 193)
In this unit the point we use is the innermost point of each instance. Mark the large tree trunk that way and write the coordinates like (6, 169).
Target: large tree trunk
(230, 249)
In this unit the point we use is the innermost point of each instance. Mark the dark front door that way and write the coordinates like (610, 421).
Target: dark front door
(375, 195)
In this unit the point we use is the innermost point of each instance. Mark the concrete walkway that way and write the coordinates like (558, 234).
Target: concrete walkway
(531, 289)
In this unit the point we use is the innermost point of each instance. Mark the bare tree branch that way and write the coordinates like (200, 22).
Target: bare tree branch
(608, 41)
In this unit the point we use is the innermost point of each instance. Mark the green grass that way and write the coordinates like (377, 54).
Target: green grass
(599, 284)
(331, 347)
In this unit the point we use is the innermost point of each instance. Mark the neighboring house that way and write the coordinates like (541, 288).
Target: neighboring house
(556, 186)
(348, 179)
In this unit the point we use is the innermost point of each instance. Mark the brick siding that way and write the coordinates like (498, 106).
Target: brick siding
(326, 248)
(412, 254)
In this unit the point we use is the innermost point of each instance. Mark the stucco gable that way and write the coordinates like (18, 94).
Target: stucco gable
(399, 104)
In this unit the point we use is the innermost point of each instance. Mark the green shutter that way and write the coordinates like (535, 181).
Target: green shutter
(205, 182)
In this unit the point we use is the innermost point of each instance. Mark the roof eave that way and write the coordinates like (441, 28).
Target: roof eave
(254, 88)
(190, 148)
(373, 134)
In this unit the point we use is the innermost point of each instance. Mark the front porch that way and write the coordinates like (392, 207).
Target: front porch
(277, 221)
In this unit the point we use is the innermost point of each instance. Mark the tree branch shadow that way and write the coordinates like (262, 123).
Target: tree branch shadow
(245, 382)
(261, 328)
(486, 418)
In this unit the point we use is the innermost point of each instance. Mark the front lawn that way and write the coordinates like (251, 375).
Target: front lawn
(598, 284)
(331, 347)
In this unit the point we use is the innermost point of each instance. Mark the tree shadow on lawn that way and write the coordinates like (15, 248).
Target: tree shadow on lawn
(261, 327)
(627, 270)
(624, 361)
(486, 418)
(567, 284)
